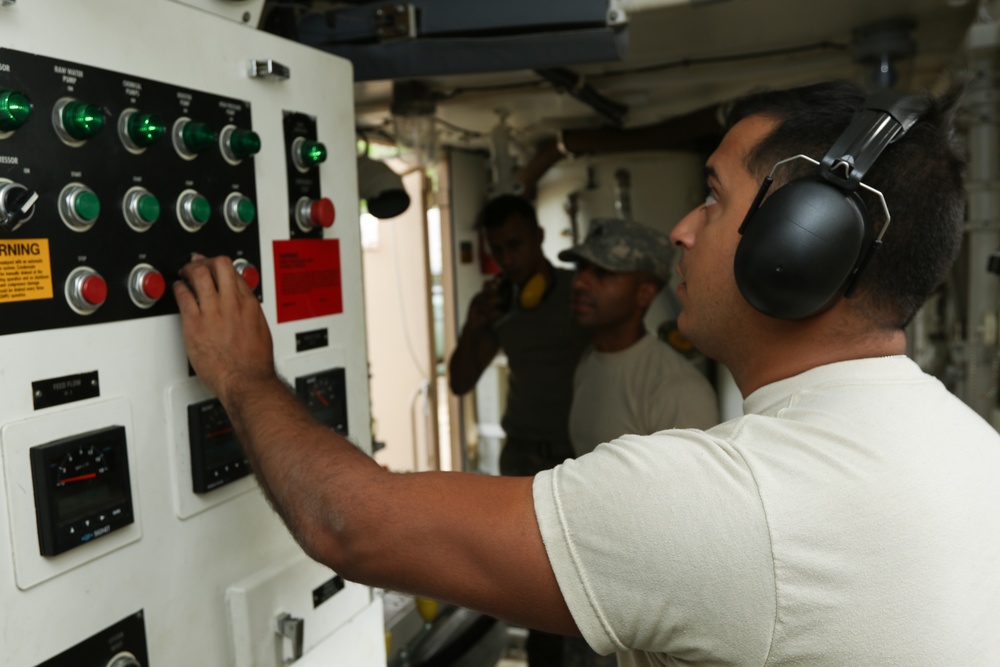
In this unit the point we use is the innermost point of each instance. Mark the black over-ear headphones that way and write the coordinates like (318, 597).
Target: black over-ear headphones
(810, 241)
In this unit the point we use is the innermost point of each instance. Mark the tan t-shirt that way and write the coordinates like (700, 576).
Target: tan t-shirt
(645, 388)
(850, 517)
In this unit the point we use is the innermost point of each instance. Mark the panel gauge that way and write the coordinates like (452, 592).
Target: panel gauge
(217, 457)
(82, 489)
(324, 395)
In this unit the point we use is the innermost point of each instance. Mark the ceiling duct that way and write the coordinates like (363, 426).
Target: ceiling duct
(441, 37)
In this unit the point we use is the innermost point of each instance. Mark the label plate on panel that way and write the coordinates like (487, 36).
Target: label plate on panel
(25, 270)
(307, 278)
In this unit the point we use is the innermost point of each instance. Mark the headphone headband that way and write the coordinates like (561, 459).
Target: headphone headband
(886, 116)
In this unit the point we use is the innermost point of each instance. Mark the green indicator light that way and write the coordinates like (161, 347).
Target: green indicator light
(144, 129)
(87, 206)
(246, 211)
(15, 109)
(148, 208)
(312, 153)
(200, 209)
(82, 121)
(197, 136)
(244, 143)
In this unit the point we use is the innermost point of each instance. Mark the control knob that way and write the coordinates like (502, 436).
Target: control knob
(17, 205)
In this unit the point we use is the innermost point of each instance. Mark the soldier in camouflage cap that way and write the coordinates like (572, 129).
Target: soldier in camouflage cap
(623, 245)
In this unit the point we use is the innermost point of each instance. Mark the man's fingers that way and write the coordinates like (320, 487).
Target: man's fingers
(186, 301)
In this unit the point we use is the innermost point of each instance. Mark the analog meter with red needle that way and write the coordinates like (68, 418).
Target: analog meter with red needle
(82, 489)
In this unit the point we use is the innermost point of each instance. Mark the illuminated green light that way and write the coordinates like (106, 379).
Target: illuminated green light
(197, 137)
(144, 129)
(312, 153)
(148, 208)
(87, 205)
(15, 109)
(244, 143)
(246, 211)
(81, 120)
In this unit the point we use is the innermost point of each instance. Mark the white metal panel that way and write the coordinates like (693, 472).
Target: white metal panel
(177, 571)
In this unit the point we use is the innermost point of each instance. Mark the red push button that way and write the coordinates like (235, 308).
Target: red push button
(322, 212)
(248, 271)
(153, 285)
(313, 213)
(94, 290)
(86, 290)
(146, 285)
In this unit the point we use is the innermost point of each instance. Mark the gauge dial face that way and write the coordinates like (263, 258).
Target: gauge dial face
(80, 466)
(324, 395)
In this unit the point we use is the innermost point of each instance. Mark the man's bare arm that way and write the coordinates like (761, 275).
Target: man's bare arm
(476, 345)
(469, 539)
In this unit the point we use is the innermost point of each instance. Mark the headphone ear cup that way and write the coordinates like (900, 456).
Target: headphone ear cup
(534, 292)
(799, 248)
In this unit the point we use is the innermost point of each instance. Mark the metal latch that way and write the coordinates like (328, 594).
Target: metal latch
(293, 629)
(269, 69)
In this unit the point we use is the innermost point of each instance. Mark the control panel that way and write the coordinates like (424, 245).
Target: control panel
(108, 183)
(133, 134)
(122, 644)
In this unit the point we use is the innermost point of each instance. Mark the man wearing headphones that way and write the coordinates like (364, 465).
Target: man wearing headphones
(848, 518)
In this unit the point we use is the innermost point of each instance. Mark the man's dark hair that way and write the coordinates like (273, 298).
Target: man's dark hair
(499, 209)
(920, 176)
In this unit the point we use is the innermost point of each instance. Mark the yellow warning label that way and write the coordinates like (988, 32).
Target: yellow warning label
(25, 270)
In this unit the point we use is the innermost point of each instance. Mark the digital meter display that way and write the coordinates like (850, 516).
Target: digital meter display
(217, 457)
(325, 397)
(82, 489)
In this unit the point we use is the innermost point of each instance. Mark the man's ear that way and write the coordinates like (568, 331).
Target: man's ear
(646, 293)
(540, 234)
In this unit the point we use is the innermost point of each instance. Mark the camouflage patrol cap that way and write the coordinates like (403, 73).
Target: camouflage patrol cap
(623, 245)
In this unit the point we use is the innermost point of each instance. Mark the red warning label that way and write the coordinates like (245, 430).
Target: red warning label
(25, 270)
(307, 278)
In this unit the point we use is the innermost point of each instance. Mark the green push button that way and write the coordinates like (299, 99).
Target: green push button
(86, 205)
(244, 143)
(201, 210)
(148, 208)
(15, 109)
(144, 129)
(312, 153)
(246, 211)
(197, 137)
(81, 120)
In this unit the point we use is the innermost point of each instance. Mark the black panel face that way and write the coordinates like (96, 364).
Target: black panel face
(302, 185)
(35, 156)
(81, 487)
(125, 639)
(217, 457)
(325, 396)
